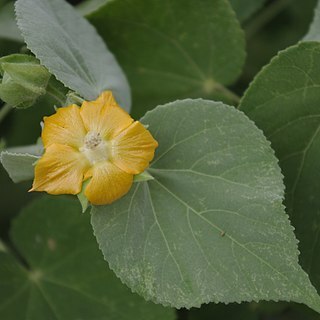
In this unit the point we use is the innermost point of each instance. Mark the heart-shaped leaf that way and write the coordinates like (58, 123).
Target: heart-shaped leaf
(284, 101)
(67, 278)
(211, 225)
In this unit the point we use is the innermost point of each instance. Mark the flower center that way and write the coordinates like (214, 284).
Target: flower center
(95, 148)
(92, 140)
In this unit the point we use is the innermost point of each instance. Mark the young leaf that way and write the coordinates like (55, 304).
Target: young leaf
(71, 49)
(67, 278)
(314, 31)
(283, 101)
(211, 225)
(189, 50)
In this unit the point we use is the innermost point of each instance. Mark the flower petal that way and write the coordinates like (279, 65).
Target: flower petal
(60, 170)
(133, 149)
(64, 127)
(104, 116)
(108, 183)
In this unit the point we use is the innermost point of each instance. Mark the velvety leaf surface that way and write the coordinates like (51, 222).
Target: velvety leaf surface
(71, 49)
(245, 8)
(19, 161)
(211, 225)
(19, 166)
(188, 50)
(8, 26)
(68, 278)
(284, 101)
(314, 31)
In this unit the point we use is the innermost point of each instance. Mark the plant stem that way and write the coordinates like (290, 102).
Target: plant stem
(4, 111)
(227, 93)
(72, 97)
(56, 94)
(265, 16)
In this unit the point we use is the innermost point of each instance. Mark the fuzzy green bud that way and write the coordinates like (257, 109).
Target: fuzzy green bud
(22, 80)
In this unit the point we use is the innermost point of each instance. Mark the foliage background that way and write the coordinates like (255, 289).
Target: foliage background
(272, 28)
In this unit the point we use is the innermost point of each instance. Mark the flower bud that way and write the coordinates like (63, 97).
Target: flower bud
(22, 80)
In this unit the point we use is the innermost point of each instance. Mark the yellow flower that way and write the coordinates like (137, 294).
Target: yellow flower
(97, 141)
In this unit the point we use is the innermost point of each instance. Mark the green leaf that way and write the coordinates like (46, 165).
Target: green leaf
(245, 9)
(20, 167)
(19, 161)
(71, 49)
(211, 225)
(8, 27)
(314, 31)
(67, 278)
(283, 101)
(189, 50)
